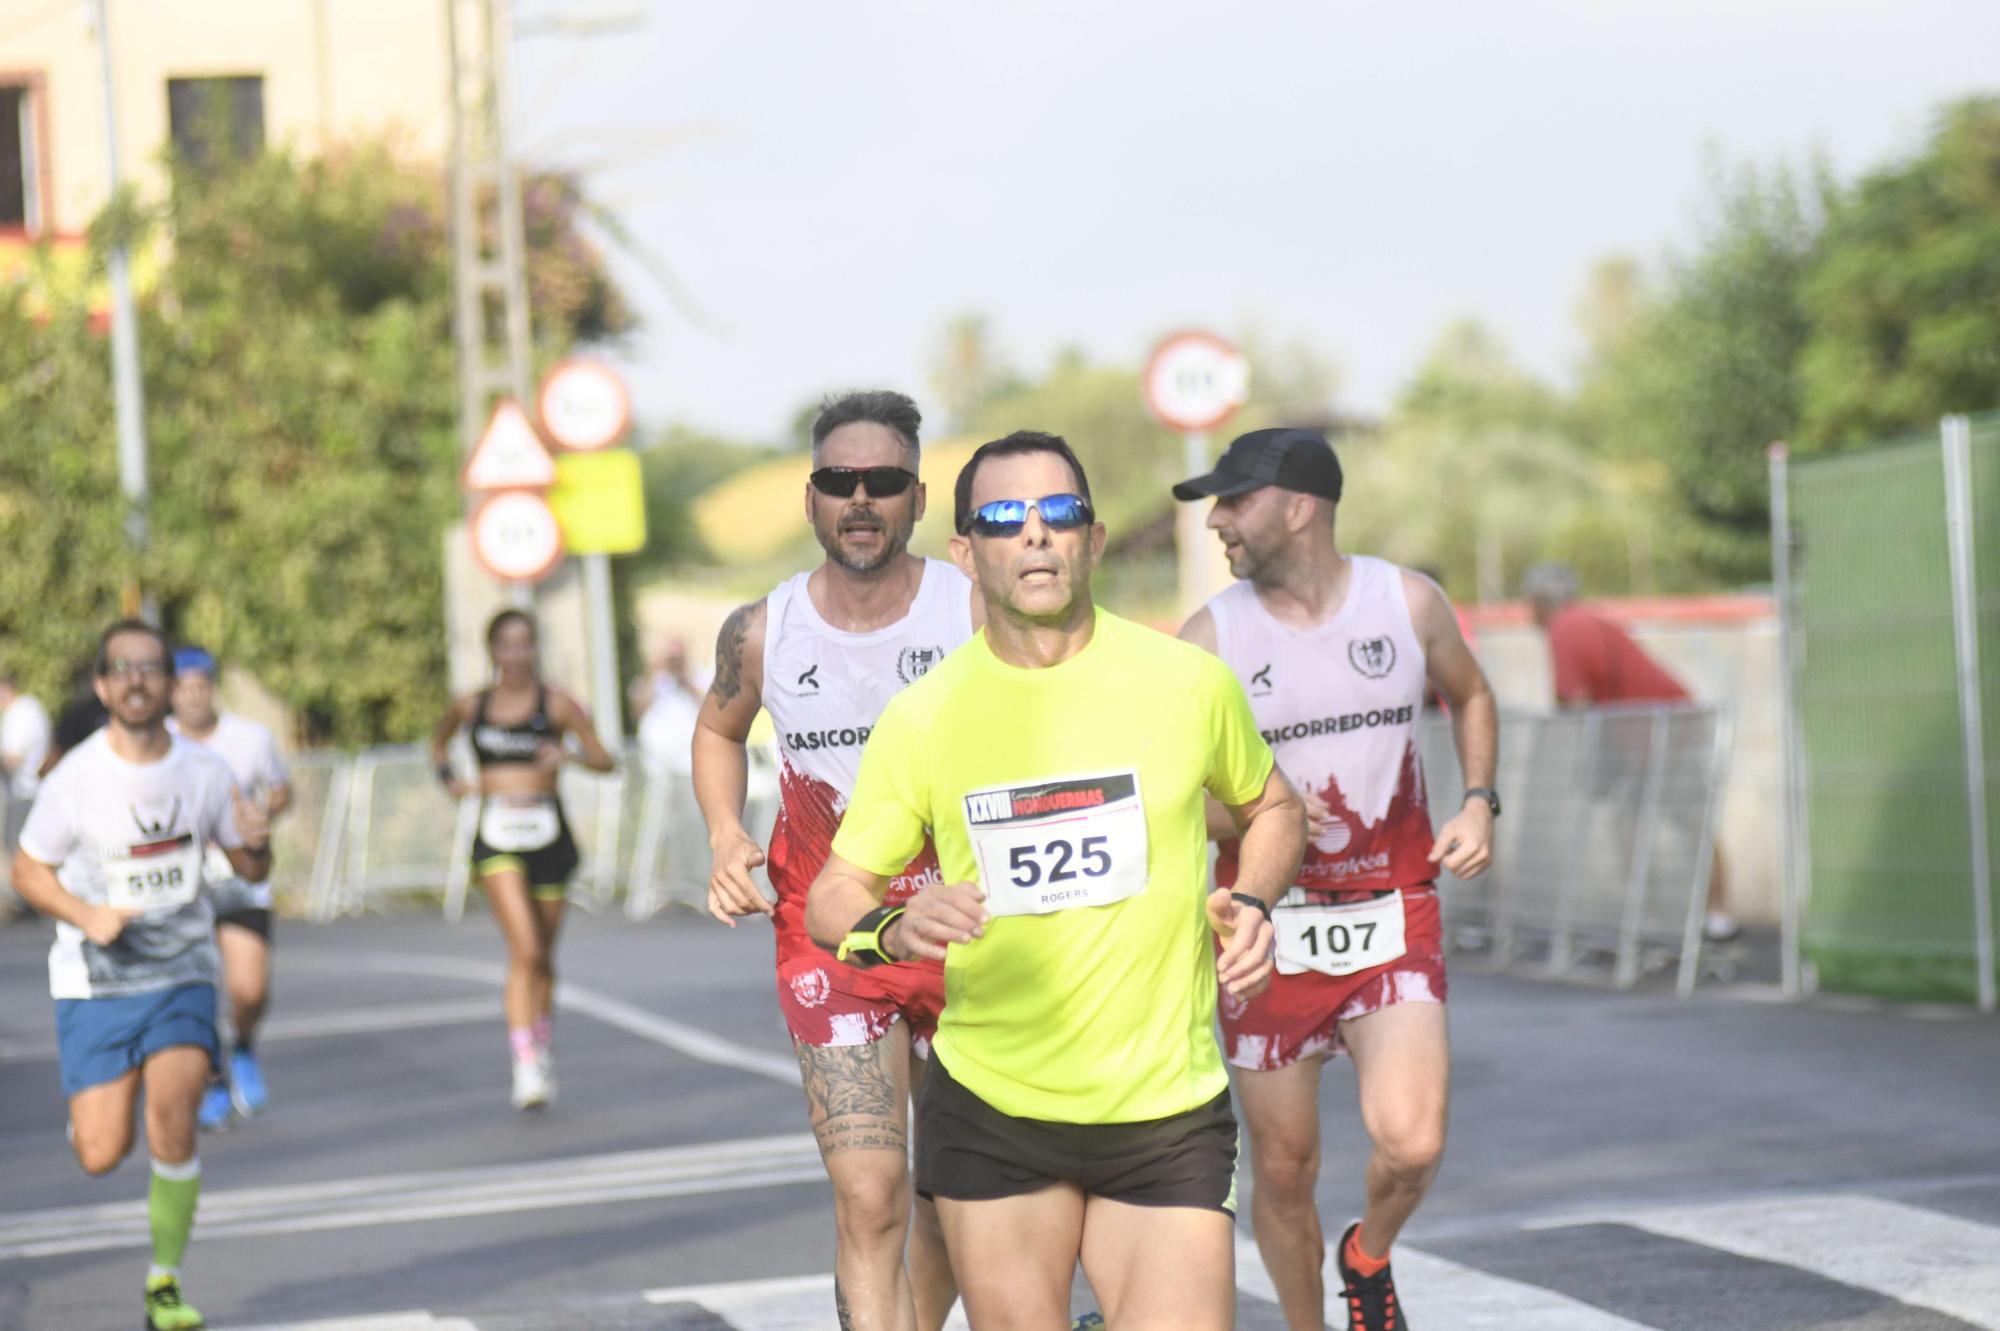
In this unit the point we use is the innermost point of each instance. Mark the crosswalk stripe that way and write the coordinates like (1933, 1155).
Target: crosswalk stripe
(432, 1195)
(1914, 1256)
(1445, 1294)
(785, 1303)
(308, 1025)
(416, 1321)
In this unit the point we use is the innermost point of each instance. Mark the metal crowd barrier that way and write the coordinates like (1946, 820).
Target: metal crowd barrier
(1606, 841)
(376, 825)
(1604, 848)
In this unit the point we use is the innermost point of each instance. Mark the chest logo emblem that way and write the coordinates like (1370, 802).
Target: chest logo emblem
(1373, 658)
(809, 681)
(913, 663)
(155, 822)
(1260, 683)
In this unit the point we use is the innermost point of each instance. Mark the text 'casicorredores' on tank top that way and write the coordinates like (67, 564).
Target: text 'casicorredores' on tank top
(824, 689)
(1339, 704)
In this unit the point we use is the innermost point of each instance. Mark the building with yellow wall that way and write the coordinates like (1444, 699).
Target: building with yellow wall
(307, 74)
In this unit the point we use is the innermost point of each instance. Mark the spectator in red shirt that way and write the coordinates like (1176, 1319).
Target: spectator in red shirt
(1596, 664)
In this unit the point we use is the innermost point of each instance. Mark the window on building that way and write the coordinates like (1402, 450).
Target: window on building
(20, 185)
(206, 114)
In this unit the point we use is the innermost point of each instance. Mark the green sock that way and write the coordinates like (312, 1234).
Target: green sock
(170, 1210)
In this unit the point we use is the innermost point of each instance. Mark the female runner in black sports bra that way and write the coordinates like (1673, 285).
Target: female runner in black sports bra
(523, 853)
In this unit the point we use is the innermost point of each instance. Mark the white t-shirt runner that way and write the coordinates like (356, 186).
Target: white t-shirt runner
(124, 833)
(24, 737)
(251, 751)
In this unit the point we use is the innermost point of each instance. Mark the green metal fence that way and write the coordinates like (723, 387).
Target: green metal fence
(1888, 901)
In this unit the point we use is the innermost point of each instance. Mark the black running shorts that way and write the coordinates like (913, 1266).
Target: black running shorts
(547, 868)
(969, 1151)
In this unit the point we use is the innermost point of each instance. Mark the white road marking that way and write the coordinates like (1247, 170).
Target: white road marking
(785, 1303)
(416, 1321)
(309, 1025)
(1442, 1293)
(1914, 1256)
(633, 1020)
(731, 1166)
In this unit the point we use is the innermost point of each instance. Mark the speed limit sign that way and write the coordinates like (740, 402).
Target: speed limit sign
(1195, 381)
(584, 405)
(515, 536)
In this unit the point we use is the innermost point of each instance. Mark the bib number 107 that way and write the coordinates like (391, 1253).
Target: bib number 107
(1335, 941)
(1058, 861)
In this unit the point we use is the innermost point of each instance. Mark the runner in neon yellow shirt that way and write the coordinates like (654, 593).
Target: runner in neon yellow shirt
(1077, 1104)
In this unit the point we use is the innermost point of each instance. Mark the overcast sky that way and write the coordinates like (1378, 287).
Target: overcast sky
(832, 180)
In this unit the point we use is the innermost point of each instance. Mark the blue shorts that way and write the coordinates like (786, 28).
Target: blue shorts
(101, 1039)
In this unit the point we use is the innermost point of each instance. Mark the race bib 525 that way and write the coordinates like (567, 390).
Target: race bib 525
(1059, 844)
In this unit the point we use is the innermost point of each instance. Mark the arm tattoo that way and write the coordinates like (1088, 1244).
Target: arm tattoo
(729, 652)
(852, 1098)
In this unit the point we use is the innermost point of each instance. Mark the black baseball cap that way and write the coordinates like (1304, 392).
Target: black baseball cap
(1284, 456)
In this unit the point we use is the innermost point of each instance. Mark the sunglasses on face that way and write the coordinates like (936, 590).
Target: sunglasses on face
(879, 482)
(122, 669)
(1006, 517)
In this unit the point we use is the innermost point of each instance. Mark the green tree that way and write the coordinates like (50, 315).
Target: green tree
(1705, 376)
(301, 415)
(1904, 300)
(1477, 473)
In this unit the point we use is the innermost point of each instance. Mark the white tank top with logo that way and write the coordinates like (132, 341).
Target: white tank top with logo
(824, 689)
(1339, 703)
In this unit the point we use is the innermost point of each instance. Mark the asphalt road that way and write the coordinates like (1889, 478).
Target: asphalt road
(1616, 1160)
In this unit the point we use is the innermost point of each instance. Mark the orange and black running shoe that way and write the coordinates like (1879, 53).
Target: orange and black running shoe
(1371, 1300)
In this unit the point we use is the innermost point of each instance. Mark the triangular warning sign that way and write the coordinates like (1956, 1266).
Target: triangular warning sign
(510, 455)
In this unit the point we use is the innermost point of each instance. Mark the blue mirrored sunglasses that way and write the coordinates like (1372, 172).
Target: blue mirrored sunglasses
(1006, 517)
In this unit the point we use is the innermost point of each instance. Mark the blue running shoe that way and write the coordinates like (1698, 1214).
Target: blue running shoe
(1090, 1321)
(246, 1082)
(215, 1107)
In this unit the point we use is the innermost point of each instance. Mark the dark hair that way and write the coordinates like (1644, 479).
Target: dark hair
(1015, 444)
(877, 406)
(506, 617)
(103, 666)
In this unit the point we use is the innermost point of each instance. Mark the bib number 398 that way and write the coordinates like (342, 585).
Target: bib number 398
(155, 877)
(1056, 845)
(1339, 940)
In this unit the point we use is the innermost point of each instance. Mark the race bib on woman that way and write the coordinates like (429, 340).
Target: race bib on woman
(1338, 940)
(153, 877)
(518, 828)
(1059, 844)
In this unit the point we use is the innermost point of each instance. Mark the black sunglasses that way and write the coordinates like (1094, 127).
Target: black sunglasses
(879, 482)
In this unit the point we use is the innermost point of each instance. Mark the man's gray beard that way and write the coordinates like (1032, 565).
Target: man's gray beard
(893, 546)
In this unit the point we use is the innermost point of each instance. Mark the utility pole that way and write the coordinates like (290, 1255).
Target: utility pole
(128, 391)
(489, 237)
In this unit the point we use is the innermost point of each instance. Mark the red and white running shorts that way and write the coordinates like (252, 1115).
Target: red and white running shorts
(828, 1003)
(1299, 1016)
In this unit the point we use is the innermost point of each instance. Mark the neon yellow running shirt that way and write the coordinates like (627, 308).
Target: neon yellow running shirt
(1073, 795)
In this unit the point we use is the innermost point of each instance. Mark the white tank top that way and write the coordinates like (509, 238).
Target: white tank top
(824, 689)
(1339, 703)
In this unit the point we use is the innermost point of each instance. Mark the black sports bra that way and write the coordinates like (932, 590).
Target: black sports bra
(519, 743)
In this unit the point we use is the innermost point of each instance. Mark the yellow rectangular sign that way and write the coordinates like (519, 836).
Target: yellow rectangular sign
(600, 500)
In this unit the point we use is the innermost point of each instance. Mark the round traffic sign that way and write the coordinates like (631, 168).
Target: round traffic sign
(1195, 381)
(584, 405)
(515, 536)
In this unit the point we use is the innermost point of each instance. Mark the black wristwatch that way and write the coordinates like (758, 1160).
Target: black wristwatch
(1490, 796)
(1245, 899)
